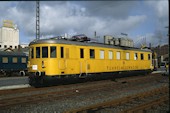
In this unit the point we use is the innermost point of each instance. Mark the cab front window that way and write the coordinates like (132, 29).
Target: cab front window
(44, 52)
(32, 52)
(52, 52)
(37, 52)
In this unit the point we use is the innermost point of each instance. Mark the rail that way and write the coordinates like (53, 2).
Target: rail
(126, 100)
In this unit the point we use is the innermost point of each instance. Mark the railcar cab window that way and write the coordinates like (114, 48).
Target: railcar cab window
(135, 56)
(52, 52)
(141, 56)
(81, 53)
(101, 54)
(37, 52)
(4, 59)
(118, 55)
(32, 52)
(62, 52)
(149, 57)
(110, 54)
(44, 52)
(14, 60)
(92, 53)
(23, 60)
(127, 56)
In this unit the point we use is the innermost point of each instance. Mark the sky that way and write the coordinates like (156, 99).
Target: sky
(143, 20)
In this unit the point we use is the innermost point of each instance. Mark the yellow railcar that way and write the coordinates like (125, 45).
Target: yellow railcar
(49, 58)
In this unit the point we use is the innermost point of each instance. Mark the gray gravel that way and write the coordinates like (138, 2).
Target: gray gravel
(81, 99)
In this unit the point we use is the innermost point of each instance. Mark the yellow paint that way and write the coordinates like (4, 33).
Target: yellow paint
(73, 64)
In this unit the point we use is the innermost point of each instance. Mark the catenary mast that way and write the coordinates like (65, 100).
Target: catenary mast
(37, 20)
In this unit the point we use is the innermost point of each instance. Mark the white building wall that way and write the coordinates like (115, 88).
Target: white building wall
(9, 37)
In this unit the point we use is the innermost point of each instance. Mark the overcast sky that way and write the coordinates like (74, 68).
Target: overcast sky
(138, 19)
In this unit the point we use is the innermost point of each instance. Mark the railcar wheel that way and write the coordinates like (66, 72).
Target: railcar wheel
(22, 73)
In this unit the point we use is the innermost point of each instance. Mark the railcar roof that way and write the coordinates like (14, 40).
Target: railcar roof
(7, 53)
(63, 41)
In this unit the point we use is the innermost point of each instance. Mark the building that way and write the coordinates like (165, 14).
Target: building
(162, 53)
(9, 35)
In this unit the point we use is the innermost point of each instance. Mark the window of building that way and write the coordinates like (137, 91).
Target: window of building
(4, 59)
(118, 55)
(44, 52)
(127, 56)
(149, 56)
(52, 52)
(81, 53)
(23, 60)
(15, 47)
(62, 52)
(10, 46)
(141, 56)
(110, 54)
(14, 60)
(5, 46)
(135, 56)
(101, 54)
(92, 53)
(37, 52)
(0, 46)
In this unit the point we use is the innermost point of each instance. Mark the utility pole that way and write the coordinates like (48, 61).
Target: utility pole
(37, 20)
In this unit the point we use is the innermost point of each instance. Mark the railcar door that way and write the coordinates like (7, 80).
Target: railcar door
(82, 63)
(62, 62)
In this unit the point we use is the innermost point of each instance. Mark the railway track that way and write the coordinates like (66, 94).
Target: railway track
(118, 80)
(141, 102)
(29, 96)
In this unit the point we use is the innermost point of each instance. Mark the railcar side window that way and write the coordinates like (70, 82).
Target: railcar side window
(110, 54)
(92, 53)
(44, 52)
(14, 60)
(32, 52)
(53, 52)
(4, 59)
(81, 53)
(118, 55)
(149, 57)
(135, 56)
(37, 52)
(62, 52)
(101, 54)
(127, 56)
(23, 60)
(141, 56)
